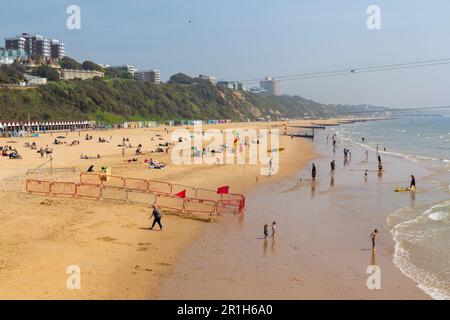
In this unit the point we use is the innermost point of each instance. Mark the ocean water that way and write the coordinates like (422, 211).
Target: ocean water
(422, 231)
(422, 138)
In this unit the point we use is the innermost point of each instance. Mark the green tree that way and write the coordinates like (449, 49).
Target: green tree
(181, 78)
(46, 72)
(118, 73)
(11, 74)
(69, 63)
(89, 65)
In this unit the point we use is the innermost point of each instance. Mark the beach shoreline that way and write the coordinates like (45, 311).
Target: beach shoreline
(42, 236)
(320, 269)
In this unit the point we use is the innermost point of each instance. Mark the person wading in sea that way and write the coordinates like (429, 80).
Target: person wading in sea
(373, 236)
(412, 185)
(313, 172)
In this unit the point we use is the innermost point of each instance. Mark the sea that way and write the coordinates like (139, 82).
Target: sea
(422, 231)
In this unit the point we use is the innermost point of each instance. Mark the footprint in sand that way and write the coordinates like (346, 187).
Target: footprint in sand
(136, 267)
(106, 239)
(163, 264)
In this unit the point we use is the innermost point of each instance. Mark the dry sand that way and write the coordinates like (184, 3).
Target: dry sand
(119, 257)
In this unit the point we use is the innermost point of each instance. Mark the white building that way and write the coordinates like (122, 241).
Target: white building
(211, 79)
(125, 67)
(150, 75)
(34, 81)
(271, 85)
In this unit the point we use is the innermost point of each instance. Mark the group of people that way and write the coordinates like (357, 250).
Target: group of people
(153, 164)
(266, 230)
(347, 154)
(47, 151)
(86, 157)
(10, 152)
(32, 145)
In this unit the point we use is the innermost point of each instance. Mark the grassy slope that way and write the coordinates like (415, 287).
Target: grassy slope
(119, 99)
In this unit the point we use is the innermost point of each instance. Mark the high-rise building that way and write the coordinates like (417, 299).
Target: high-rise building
(39, 47)
(36, 46)
(17, 43)
(57, 49)
(150, 75)
(271, 86)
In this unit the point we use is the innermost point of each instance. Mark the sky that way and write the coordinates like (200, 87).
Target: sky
(250, 39)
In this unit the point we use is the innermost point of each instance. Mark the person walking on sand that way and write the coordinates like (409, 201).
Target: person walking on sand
(373, 236)
(266, 231)
(366, 175)
(274, 228)
(412, 185)
(156, 214)
(313, 171)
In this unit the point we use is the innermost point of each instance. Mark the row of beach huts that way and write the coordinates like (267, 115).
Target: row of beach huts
(152, 124)
(43, 126)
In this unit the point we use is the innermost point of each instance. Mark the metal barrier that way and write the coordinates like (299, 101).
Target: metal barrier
(190, 191)
(135, 184)
(200, 206)
(38, 186)
(142, 191)
(89, 191)
(159, 186)
(137, 197)
(90, 178)
(114, 193)
(113, 181)
(207, 194)
(170, 202)
(63, 188)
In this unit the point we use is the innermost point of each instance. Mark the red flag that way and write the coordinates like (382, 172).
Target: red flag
(181, 194)
(223, 189)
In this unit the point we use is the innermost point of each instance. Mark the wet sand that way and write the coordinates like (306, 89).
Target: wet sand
(322, 247)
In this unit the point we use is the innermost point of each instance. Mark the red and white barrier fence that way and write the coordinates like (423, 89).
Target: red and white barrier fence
(163, 194)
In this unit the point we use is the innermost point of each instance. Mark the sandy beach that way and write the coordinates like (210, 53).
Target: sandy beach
(321, 252)
(119, 257)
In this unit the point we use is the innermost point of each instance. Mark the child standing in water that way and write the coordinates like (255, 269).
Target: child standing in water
(266, 231)
(274, 228)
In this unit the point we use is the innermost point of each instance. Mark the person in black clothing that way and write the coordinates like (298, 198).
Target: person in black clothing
(373, 236)
(314, 171)
(333, 166)
(156, 214)
(412, 185)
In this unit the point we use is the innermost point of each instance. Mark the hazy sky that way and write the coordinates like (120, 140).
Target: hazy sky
(247, 39)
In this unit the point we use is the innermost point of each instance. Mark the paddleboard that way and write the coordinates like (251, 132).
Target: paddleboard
(404, 189)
